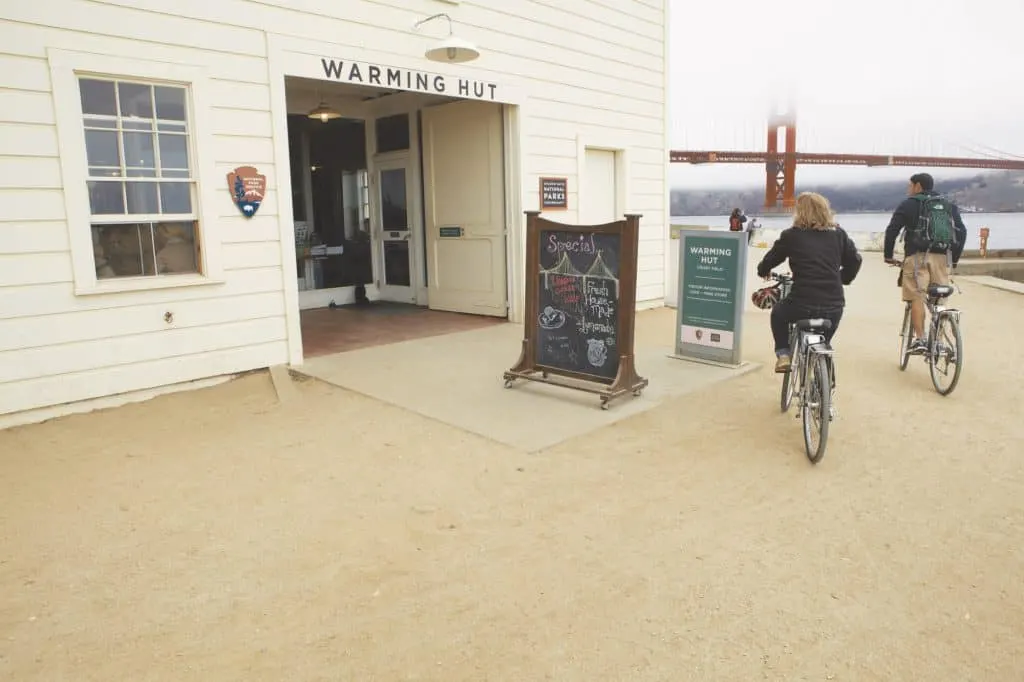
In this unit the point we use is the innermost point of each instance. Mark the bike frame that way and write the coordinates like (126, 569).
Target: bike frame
(804, 345)
(936, 312)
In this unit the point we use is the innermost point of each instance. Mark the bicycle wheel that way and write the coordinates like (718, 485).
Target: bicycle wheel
(946, 354)
(905, 340)
(788, 383)
(816, 413)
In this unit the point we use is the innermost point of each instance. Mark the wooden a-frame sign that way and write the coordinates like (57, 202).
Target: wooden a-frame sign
(580, 307)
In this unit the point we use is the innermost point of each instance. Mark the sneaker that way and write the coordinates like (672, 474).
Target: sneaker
(782, 364)
(918, 346)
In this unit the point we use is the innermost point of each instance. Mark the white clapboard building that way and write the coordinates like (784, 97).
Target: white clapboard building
(180, 180)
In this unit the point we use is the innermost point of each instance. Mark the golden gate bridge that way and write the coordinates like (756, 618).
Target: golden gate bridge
(780, 163)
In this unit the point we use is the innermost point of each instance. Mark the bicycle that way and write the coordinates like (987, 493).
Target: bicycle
(941, 317)
(811, 376)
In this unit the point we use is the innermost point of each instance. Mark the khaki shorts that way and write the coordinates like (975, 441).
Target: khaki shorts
(923, 269)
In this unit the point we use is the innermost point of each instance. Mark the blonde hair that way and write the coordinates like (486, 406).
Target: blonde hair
(813, 212)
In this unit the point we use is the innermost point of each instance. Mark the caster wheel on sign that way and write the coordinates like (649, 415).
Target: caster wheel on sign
(637, 393)
(508, 383)
(544, 375)
(604, 404)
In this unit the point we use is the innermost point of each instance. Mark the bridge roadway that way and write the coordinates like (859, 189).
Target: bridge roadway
(829, 159)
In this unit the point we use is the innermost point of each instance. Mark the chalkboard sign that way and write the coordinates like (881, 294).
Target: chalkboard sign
(578, 287)
(580, 307)
(554, 193)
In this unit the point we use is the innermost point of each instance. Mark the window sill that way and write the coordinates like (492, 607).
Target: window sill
(145, 284)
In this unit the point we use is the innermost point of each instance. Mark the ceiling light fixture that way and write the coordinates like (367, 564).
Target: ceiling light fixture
(323, 113)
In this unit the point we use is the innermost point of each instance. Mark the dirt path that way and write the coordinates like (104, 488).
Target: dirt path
(218, 536)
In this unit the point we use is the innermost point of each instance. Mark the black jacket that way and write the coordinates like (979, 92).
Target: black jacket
(905, 217)
(821, 261)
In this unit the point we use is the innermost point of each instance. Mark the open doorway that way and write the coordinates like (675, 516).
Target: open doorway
(399, 211)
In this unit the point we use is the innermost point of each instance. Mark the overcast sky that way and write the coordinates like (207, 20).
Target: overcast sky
(866, 76)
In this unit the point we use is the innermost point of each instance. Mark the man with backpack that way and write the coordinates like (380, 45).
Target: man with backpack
(933, 236)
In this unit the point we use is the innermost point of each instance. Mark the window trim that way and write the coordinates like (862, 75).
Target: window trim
(65, 68)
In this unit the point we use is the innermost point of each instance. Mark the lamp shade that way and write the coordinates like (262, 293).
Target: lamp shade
(452, 50)
(323, 113)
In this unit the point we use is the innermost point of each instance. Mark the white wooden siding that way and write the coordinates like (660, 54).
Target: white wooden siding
(590, 68)
(56, 347)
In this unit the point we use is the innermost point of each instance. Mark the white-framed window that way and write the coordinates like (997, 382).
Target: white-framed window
(134, 156)
(138, 144)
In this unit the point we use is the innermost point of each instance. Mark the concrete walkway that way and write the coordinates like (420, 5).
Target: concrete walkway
(997, 283)
(457, 379)
(220, 535)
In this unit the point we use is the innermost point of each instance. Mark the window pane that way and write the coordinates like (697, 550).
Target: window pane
(106, 198)
(392, 133)
(176, 248)
(170, 127)
(136, 100)
(173, 151)
(170, 103)
(138, 150)
(174, 174)
(101, 172)
(135, 124)
(396, 264)
(142, 197)
(141, 173)
(175, 197)
(97, 97)
(393, 208)
(101, 148)
(123, 250)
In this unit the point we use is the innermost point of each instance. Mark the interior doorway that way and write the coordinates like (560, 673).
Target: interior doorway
(397, 198)
(330, 209)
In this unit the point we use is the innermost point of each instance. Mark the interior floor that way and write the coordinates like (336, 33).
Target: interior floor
(336, 330)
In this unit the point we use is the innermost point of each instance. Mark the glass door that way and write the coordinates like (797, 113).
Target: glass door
(393, 231)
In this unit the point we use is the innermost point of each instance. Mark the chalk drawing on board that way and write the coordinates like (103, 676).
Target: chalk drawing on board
(551, 318)
(599, 270)
(597, 352)
(561, 280)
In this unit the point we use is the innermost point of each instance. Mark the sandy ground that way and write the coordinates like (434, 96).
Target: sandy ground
(217, 535)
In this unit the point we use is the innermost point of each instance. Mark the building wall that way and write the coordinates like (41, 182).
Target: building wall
(594, 75)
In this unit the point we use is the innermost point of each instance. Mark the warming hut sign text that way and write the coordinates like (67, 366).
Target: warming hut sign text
(394, 78)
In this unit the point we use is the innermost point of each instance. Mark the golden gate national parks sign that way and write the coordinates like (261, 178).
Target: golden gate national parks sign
(248, 187)
(381, 76)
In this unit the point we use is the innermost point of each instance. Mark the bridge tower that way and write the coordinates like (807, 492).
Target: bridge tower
(780, 167)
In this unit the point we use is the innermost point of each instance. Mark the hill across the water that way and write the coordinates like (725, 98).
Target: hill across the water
(1001, 191)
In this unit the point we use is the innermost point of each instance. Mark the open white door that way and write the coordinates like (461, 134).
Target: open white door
(464, 202)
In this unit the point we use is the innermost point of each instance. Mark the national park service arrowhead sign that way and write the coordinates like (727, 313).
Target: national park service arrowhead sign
(247, 189)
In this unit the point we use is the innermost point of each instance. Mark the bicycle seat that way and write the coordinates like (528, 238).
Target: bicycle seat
(815, 324)
(939, 290)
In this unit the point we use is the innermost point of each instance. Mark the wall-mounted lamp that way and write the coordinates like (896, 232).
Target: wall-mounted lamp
(451, 50)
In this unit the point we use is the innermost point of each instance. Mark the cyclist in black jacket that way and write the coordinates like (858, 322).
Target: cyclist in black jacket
(822, 258)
